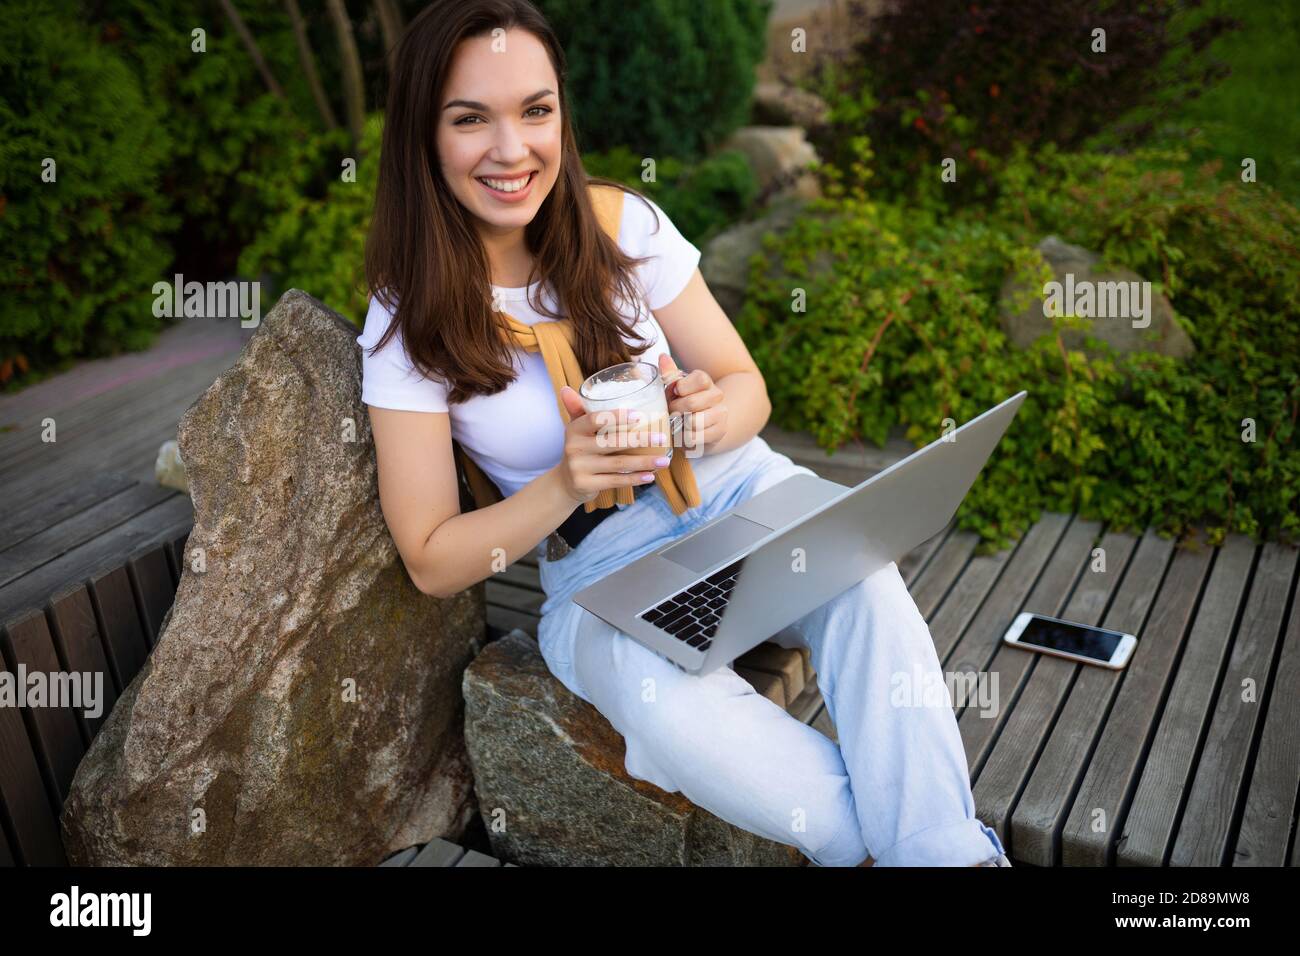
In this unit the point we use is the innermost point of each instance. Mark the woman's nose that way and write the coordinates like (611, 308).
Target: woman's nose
(510, 146)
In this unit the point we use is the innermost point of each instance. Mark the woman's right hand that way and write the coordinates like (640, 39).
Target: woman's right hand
(596, 457)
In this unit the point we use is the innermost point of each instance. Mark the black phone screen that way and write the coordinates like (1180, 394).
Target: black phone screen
(1093, 642)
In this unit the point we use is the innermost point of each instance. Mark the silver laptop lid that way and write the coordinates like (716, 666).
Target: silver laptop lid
(856, 534)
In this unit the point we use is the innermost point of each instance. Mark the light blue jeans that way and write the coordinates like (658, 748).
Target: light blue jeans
(896, 787)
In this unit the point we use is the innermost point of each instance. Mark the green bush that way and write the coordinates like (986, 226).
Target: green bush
(701, 198)
(901, 328)
(670, 79)
(170, 159)
(951, 79)
(318, 244)
(231, 140)
(82, 252)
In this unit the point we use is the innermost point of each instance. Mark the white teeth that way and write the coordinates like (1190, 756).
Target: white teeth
(507, 185)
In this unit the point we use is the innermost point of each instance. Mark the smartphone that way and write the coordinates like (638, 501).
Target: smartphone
(1076, 642)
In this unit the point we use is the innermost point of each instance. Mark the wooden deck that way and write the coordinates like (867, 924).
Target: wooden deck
(109, 415)
(1190, 756)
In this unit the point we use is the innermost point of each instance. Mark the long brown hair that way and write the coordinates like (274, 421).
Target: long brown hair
(423, 256)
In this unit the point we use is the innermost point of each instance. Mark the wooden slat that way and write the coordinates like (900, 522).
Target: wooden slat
(937, 579)
(784, 664)
(438, 852)
(178, 552)
(20, 519)
(475, 858)
(1152, 817)
(520, 575)
(823, 723)
(125, 645)
(151, 581)
(1268, 821)
(1026, 726)
(978, 645)
(1011, 665)
(1096, 820)
(78, 529)
(915, 561)
(26, 802)
(1041, 810)
(507, 620)
(524, 600)
(963, 601)
(804, 708)
(77, 639)
(56, 739)
(769, 685)
(401, 857)
(140, 414)
(163, 522)
(1204, 835)
(173, 563)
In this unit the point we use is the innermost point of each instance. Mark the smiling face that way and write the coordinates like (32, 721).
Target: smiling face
(499, 131)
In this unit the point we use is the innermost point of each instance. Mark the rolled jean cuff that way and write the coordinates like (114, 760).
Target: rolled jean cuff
(840, 850)
(964, 843)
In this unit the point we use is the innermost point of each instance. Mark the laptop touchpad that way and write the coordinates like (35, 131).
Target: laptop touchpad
(720, 540)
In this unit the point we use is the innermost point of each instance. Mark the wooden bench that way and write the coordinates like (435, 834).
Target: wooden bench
(1187, 757)
(441, 853)
(86, 579)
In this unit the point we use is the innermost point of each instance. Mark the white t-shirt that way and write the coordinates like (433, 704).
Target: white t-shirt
(517, 434)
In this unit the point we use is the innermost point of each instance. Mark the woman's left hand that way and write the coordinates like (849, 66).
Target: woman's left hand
(698, 398)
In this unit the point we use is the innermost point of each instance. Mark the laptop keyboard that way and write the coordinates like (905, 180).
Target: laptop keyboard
(692, 614)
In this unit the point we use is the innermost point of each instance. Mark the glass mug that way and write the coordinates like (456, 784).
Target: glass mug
(633, 386)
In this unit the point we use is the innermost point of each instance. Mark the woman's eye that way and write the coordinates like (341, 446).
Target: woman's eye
(473, 116)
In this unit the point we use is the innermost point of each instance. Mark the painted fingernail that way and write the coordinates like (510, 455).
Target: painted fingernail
(661, 461)
(658, 438)
(647, 477)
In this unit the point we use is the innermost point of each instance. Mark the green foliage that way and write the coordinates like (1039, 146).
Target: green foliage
(225, 131)
(701, 198)
(169, 159)
(82, 252)
(951, 79)
(318, 244)
(670, 79)
(1252, 112)
(901, 328)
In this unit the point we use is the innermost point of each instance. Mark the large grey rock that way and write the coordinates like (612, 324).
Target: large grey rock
(1074, 265)
(724, 261)
(779, 104)
(781, 158)
(550, 768)
(303, 703)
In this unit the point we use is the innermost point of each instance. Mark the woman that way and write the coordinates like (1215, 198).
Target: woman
(483, 208)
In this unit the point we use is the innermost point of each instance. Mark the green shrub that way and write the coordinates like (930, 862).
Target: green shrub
(955, 79)
(318, 244)
(82, 252)
(671, 78)
(901, 328)
(230, 139)
(701, 198)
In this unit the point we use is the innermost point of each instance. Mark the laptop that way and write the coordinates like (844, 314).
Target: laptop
(706, 598)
